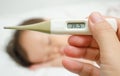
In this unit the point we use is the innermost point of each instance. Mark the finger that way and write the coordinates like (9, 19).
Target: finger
(87, 53)
(83, 69)
(118, 23)
(82, 41)
(104, 34)
(79, 40)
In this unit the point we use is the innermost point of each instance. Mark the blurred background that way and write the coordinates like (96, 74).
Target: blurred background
(13, 12)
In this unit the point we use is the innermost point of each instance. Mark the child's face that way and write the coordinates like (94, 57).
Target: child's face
(42, 47)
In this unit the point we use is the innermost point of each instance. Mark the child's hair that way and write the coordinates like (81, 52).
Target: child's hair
(14, 48)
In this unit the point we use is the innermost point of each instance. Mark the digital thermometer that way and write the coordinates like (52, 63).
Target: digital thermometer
(63, 26)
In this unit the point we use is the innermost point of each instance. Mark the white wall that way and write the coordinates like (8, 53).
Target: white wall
(14, 7)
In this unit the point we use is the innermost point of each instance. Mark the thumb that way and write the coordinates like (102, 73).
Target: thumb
(104, 34)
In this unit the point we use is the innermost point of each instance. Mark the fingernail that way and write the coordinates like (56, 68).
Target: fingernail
(96, 17)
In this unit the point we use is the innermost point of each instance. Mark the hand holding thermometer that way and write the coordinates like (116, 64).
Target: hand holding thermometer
(65, 26)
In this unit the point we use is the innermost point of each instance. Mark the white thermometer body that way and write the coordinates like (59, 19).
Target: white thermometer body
(75, 26)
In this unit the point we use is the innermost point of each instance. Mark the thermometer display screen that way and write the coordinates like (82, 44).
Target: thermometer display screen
(80, 25)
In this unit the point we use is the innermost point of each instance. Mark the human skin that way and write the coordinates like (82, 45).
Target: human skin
(42, 49)
(103, 47)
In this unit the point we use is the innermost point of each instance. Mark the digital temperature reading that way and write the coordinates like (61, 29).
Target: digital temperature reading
(80, 25)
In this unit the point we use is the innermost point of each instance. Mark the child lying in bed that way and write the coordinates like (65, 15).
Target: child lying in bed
(35, 49)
